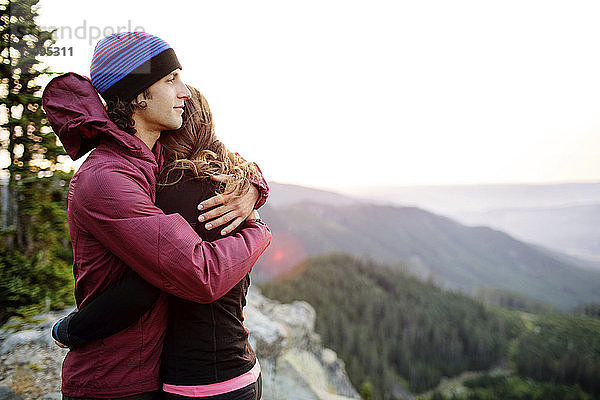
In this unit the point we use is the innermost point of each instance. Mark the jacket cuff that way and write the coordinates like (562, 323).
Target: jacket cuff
(262, 186)
(60, 331)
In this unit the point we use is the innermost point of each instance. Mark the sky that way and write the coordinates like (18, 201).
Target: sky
(340, 94)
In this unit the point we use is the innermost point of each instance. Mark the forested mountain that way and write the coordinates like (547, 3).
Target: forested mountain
(560, 216)
(393, 329)
(435, 247)
(563, 217)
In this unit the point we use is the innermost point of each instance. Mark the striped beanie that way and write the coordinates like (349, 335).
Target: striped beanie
(125, 64)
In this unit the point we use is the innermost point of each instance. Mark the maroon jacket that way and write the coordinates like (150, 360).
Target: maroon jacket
(114, 223)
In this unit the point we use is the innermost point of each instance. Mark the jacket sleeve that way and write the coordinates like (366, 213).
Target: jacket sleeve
(258, 181)
(164, 250)
(263, 188)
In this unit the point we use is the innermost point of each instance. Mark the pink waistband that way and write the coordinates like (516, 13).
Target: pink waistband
(216, 388)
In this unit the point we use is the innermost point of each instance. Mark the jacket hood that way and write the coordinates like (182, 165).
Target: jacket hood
(79, 119)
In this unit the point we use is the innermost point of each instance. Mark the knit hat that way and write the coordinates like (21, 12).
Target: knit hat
(125, 64)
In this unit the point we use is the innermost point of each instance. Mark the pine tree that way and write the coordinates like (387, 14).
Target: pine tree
(35, 254)
(26, 139)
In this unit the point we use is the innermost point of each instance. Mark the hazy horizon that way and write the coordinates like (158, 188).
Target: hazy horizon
(424, 185)
(336, 94)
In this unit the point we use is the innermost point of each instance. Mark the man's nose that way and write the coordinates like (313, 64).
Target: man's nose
(184, 92)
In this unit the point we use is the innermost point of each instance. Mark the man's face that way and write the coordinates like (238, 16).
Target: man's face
(165, 104)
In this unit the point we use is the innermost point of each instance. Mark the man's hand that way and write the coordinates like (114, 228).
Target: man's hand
(232, 209)
(253, 215)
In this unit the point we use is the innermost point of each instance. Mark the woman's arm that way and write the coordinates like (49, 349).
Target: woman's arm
(119, 306)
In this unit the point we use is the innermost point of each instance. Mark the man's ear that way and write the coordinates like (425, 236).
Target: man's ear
(139, 102)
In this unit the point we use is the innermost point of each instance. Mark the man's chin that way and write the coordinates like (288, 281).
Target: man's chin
(174, 126)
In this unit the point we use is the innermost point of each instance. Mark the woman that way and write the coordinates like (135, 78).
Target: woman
(206, 352)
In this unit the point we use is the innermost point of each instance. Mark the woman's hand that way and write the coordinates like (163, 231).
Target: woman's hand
(232, 209)
(55, 334)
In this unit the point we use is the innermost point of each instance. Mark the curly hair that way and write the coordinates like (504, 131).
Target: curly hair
(195, 147)
(121, 112)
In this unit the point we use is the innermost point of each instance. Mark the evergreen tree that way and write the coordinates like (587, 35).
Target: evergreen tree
(34, 240)
(393, 329)
(26, 137)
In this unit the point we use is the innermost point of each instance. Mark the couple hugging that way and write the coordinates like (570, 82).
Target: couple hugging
(161, 264)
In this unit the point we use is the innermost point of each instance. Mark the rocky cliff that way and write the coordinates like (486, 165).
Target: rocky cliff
(295, 366)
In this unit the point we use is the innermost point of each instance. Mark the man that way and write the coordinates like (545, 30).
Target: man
(113, 221)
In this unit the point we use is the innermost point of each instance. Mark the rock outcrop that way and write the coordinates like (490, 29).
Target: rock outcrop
(295, 366)
(294, 363)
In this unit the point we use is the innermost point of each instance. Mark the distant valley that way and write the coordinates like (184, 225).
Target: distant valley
(434, 247)
(563, 217)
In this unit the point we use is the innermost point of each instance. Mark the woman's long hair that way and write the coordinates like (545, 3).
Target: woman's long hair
(195, 147)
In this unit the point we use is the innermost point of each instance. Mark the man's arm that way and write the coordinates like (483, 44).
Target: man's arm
(259, 181)
(261, 185)
(113, 310)
(163, 249)
(125, 301)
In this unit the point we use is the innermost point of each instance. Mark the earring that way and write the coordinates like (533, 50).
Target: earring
(142, 104)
